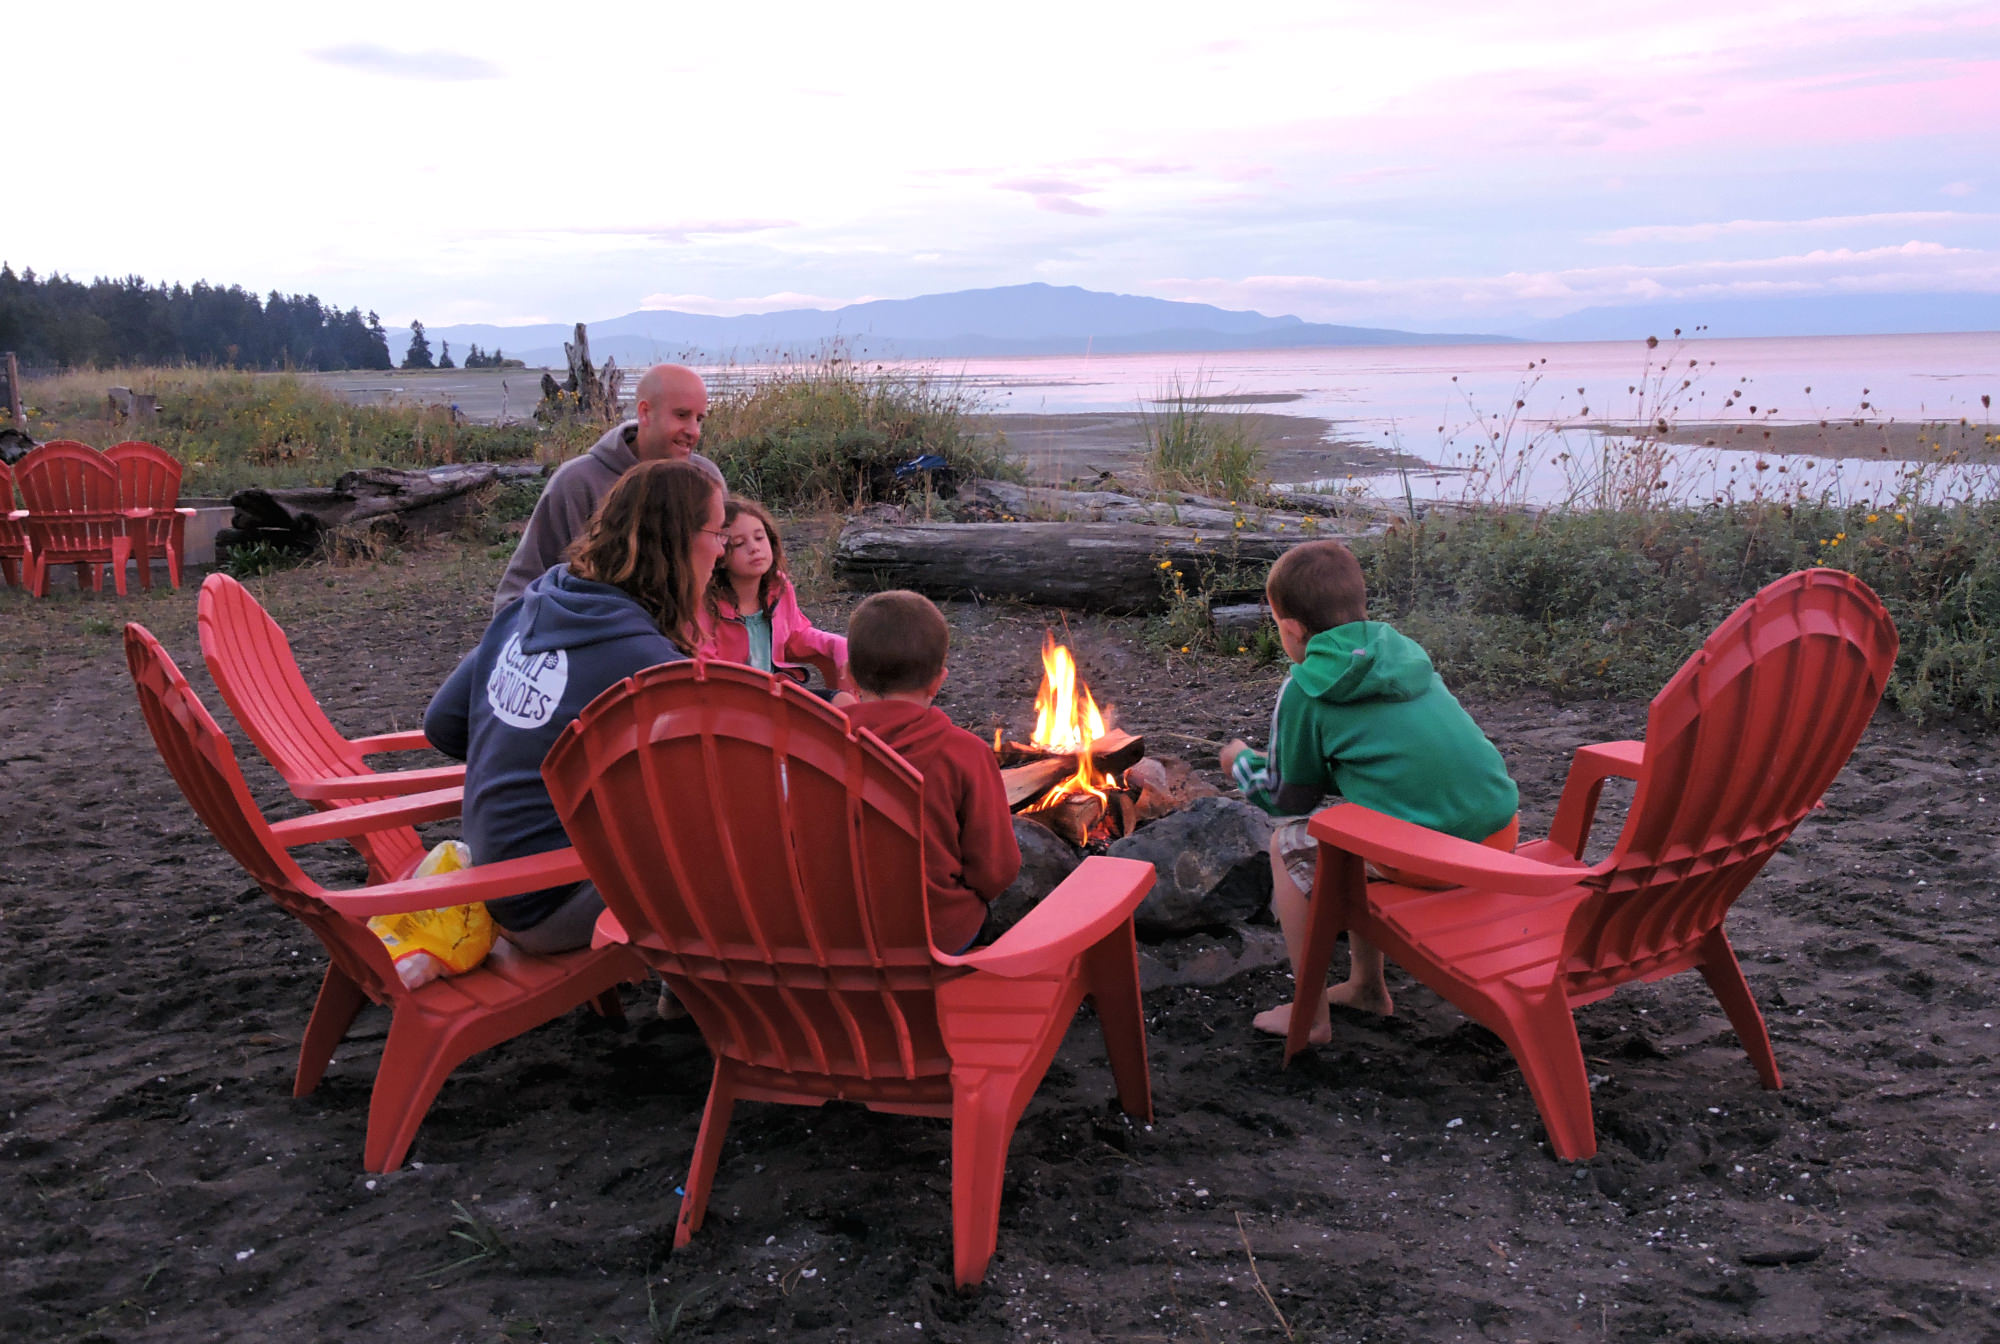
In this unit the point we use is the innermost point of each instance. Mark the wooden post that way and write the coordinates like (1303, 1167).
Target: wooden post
(14, 393)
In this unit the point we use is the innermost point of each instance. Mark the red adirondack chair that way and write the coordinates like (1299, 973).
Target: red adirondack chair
(149, 488)
(17, 554)
(252, 664)
(767, 860)
(434, 1028)
(73, 514)
(1739, 746)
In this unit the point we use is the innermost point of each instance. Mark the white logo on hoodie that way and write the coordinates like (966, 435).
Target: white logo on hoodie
(525, 688)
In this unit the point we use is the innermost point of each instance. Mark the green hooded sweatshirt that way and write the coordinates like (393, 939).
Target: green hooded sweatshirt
(1367, 718)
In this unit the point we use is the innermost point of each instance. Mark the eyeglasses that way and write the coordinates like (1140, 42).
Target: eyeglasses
(721, 532)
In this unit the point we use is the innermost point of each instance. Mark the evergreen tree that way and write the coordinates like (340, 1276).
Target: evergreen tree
(419, 354)
(444, 360)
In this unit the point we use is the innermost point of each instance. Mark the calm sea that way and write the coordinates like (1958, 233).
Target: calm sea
(1439, 403)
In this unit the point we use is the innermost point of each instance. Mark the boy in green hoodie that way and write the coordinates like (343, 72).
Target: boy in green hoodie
(1366, 718)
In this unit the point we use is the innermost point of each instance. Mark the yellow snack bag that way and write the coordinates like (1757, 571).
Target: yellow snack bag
(451, 940)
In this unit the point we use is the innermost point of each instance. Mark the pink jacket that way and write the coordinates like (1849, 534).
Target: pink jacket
(794, 639)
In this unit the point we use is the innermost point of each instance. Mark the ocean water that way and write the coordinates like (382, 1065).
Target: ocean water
(1445, 404)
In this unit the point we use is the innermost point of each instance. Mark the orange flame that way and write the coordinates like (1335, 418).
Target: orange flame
(1067, 720)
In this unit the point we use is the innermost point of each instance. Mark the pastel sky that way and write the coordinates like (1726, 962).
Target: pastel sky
(1444, 163)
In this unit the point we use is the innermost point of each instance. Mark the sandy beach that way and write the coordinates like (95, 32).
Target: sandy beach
(162, 1183)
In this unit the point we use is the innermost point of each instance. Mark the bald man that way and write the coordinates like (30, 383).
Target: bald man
(671, 404)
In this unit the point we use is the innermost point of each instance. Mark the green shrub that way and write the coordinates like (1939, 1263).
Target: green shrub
(825, 429)
(1614, 602)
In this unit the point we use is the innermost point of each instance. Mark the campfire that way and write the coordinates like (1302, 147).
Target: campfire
(1071, 773)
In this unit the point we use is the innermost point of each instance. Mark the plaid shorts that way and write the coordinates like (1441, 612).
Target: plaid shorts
(1299, 851)
(1301, 854)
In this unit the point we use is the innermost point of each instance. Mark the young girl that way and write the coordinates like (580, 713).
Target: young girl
(752, 615)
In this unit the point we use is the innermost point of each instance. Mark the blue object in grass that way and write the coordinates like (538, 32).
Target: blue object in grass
(926, 462)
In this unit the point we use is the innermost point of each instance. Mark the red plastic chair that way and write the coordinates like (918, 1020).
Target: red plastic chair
(1739, 746)
(149, 487)
(434, 1028)
(17, 553)
(252, 664)
(767, 860)
(73, 514)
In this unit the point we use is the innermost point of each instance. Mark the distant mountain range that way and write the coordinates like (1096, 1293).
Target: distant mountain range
(1034, 319)
(1040, 319)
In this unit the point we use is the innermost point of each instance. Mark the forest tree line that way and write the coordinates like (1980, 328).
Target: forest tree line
(57, 321)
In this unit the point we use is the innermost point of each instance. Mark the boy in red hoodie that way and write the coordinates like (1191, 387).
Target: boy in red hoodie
(896, 643)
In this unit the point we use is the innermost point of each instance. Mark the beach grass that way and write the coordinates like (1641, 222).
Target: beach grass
(231, 430)
(1200, 442)
(823, 429)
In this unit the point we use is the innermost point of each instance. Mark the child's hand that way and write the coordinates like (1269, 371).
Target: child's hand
(842, 699)
(1237, 746)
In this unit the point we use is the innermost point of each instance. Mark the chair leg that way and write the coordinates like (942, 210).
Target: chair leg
(1340, 887)
(91, 576)
(174, 563)
(121, 552)
(1111, 977)
(1725, 976)
(10, 570)
(983, 1116)
(142, 555)
(609, 1005)
(340, 999)
(416, 1060)
(707, 1149)
(1546, 1047)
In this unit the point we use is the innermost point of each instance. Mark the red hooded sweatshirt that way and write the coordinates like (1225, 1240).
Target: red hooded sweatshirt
(970, 854)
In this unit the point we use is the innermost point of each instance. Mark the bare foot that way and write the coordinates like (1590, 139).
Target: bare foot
(1373, 999)
(1278, 1022)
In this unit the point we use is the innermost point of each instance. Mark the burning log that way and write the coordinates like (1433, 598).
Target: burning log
(1035, 771)
(1114, 567)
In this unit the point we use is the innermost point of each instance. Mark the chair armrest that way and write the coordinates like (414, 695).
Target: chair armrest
(481, 882)
(410, 739)
(1588, 770)
(185, 513)
(610, 930)
(1444, 858)
(343, 823)
(387, 784)
(1093, 900)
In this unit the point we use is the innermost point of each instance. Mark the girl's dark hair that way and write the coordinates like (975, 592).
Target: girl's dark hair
(720, 587)
(640, 540)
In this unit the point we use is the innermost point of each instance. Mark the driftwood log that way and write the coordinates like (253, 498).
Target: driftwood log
(587, 393)
(1113, 567)
(296, 517)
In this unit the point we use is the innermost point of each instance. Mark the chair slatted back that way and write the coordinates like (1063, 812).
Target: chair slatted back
(743, 827)
(7, 502)
(64, 476)
(252, 664)
(198, 756)
(1740, 745)
(149, 478)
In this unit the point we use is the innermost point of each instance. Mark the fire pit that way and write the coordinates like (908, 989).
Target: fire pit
(1073, 772)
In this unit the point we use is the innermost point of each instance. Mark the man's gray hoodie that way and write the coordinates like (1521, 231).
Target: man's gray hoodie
(540, 662)
(567, 502)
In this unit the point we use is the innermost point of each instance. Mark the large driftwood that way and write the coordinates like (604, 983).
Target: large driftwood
(1113, 567)
(298, 515)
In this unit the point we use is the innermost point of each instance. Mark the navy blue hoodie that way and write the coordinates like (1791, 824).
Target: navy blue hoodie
(542, 660)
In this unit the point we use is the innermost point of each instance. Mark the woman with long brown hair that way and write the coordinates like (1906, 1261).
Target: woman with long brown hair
(627, 598)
